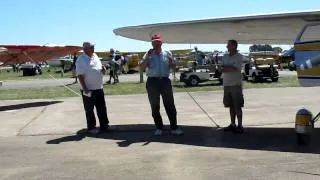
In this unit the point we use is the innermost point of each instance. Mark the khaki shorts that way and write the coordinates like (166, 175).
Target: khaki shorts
(233, 96)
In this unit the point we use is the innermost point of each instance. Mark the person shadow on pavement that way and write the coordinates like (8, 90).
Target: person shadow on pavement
(254, 138)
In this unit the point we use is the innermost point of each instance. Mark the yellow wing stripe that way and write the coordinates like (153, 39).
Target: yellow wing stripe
(307, 47)
(309, 72)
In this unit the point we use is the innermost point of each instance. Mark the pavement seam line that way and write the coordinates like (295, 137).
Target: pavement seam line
(26, 54)
(268, 124)
(32, 120)
(48, 134)
(198, 104)
(65, 86)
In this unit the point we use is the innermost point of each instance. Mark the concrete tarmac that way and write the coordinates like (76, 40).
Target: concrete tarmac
(46, 139)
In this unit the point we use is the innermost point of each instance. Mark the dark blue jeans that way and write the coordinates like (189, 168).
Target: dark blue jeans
(155, 88)
(96, 100)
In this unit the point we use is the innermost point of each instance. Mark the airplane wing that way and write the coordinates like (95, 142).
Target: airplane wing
(3, 50)
(281, 28)
(24, 53)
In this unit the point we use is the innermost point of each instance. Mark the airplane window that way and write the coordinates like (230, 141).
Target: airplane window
(311, 33)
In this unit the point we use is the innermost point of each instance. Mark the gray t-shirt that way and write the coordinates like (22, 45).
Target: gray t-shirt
(232, 78)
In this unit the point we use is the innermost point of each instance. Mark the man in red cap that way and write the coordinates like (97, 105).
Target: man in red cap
(158, 83)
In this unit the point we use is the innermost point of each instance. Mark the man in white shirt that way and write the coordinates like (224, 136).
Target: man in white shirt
(90, 73)
(232, 85)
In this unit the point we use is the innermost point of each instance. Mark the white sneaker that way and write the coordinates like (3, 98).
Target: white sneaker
(158, 132)
(177, 132)
(94, 131)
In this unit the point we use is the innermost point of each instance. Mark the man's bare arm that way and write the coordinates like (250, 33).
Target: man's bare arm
(145, 62)
(171, 64)
(83, 84)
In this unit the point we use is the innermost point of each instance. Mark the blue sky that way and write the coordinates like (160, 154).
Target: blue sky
(72, 22)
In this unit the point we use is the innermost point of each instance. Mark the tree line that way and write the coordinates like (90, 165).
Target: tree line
(264, 47)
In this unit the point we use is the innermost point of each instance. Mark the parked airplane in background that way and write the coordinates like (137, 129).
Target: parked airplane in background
(34, 53)
(19, 54)
(65, 62)
(299, 28)
(2, 49)
(132, 58)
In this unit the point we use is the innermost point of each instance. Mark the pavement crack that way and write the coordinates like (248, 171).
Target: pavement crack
(269, 124)
(32, 120)
(48, 134)
(300, 172)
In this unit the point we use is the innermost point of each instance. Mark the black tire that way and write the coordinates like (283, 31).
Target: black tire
(254, 78)
(244, 77)
(290, 68)
(194, 80)
(274, 79)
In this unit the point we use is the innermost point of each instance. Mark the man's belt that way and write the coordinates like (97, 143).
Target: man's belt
(158, 77)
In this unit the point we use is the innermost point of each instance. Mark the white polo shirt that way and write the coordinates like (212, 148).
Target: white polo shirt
(90, 68)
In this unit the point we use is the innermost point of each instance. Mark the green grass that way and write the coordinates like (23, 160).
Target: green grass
(130, 88)
(55, 72)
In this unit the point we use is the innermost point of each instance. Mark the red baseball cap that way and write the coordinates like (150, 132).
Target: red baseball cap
(156, 37)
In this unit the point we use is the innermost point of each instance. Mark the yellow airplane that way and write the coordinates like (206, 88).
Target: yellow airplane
(133, 58)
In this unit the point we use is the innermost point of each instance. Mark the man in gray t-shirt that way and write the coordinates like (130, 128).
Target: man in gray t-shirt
(232, 85)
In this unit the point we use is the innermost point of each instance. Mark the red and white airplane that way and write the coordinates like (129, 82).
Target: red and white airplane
(16, 54)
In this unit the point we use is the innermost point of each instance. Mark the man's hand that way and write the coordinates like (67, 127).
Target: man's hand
(145, 62)
(148, 56)
(150, 52)
(86, 91)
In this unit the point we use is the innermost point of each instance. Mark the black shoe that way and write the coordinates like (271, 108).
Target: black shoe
(238, 130)
(93, 131)
(231, 127)
(104, 129)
